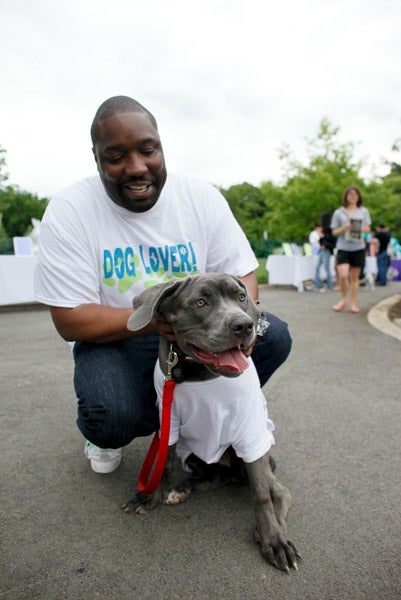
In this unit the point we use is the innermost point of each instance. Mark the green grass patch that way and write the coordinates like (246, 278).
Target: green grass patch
(261, 272)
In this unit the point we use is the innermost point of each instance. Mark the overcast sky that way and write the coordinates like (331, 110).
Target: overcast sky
(229, 81)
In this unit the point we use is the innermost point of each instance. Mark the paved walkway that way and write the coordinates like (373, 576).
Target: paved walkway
(336, 406)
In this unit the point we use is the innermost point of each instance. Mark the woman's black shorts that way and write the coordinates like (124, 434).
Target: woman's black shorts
(355, 258)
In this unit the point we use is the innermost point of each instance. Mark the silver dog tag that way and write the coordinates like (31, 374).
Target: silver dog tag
(172, 360)
(262, 326)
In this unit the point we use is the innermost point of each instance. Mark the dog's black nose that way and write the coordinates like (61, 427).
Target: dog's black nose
(242, 325)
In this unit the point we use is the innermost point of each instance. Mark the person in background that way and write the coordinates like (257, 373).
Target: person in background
(108, 237)
(314, 238)
(348, 224)
(383, 258)
(327, 244)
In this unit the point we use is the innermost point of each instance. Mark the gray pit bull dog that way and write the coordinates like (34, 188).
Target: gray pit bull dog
(214, 322)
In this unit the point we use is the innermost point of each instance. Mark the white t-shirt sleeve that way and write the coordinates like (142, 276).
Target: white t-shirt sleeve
(66, 274)
(228, 248)
(335, 220)
(367, 219)
(254, 434)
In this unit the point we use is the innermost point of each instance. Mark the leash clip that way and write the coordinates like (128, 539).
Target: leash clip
(172, 360)
(262, 325)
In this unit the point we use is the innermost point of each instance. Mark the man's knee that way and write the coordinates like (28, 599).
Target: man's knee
(278, 336)
(271, 349)
(114, 387)
(114, 427)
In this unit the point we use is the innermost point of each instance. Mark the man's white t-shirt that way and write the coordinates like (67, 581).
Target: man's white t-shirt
(209, 416)
(314, 238)
(94, 251)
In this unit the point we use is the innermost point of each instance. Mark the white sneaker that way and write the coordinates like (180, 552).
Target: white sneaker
(102, 460)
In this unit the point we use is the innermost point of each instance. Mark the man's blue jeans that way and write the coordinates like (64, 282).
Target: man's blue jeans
(324, 258)
(383, 261)
(114, 383)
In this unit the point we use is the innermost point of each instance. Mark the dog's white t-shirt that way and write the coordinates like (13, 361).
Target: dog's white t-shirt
(209, 416)
(93, 251)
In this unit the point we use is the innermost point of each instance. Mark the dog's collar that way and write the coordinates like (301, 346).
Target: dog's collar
(178, 370)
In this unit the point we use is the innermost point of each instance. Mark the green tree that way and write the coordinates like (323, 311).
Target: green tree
(313, 188)
(3, 177)
(3, 172)
(18, 208)
(249, 207)
(389, 209)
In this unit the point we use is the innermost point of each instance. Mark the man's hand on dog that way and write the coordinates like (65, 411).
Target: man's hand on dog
(163, 328)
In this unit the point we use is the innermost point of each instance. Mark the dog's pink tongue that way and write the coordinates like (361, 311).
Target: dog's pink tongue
(233, 358)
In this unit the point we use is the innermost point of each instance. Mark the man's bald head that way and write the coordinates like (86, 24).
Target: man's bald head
(114, 106)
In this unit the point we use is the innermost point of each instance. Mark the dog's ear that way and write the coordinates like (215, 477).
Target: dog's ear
(145, 305)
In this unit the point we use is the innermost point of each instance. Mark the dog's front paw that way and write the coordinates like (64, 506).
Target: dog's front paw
(141, 503)
(176, 497)
(278, 551)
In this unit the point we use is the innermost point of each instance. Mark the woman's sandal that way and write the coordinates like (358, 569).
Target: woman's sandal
(340, 306)
(354, 309)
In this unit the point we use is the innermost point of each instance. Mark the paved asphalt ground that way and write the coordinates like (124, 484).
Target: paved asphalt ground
(336, 406)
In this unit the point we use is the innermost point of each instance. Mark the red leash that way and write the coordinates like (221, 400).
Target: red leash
(159, 447)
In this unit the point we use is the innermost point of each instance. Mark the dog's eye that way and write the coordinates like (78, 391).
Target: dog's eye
(242, 297)
(200, 303)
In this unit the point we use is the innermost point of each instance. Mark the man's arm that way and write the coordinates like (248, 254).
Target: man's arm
(93, 323)
(100, 324)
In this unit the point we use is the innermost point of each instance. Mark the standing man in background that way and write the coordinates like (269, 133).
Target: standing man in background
(383, 259)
